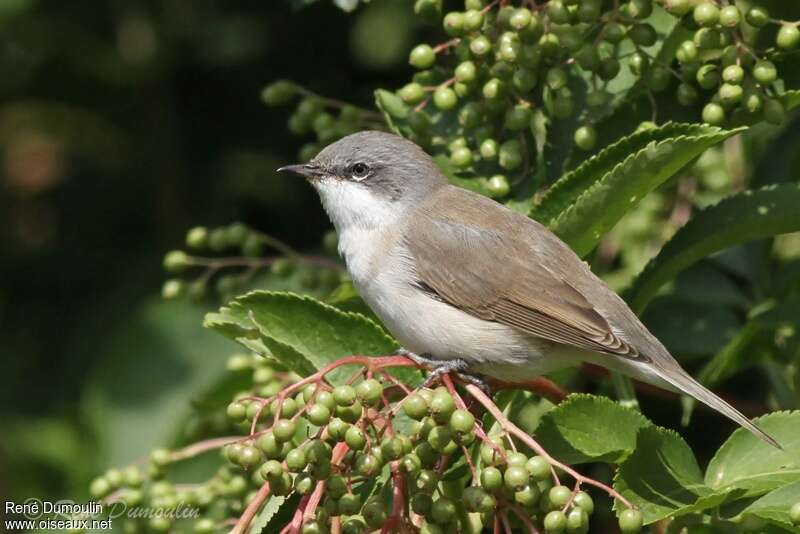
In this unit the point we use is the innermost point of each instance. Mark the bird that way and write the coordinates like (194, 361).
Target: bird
(466, 284)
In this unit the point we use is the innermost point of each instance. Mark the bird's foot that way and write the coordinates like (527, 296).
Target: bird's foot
(458, 367)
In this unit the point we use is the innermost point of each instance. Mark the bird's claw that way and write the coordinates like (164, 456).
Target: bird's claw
(458, 367)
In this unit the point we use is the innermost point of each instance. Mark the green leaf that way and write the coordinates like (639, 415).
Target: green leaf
(302, 333)
(266, 514)
(775, 505)
(570, 431)
(587, 202)
(738, 218)
(662, 477)
(747, 463)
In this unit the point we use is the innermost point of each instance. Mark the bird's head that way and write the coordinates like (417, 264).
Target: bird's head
(369, 178)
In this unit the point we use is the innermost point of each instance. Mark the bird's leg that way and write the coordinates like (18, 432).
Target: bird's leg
(458, 367)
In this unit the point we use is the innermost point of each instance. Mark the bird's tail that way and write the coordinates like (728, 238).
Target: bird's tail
(684, 382)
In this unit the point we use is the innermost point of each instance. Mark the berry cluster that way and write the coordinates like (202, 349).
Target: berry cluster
(231, 273)
(504, 62)
(364, 455)
(326, 118)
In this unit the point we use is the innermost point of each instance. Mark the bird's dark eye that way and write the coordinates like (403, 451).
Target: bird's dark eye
(359, 170)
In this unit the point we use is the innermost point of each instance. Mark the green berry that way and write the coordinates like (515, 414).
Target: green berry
(250, 457)
(630, 521)
(279, 92)
(643, 34)
(344, 395)
(794, 513)
(355, 438)
(337, 429)
(788, 37)
(443, 511)
(555, 522)
(518, 117)
(708, 76)
(100, 487)
(319, 415)
(296, 460)
(461, 421)
(520, 19)
(237, 411)
(442, 405)
(678, 7)
(197, 237)
(491, 479)
(559, 496)
(556, 78)
(172, 289)
(613, 32)
(411, 93)
(465, 72)
(538, 467)
(765, 72)
(757, 17)
(713, 114)
(367, 465)
(422, 57)
(493, 89)
(350, 414)
(528, 496)
(708, 39)
(558, 12)
(774, 112)
(584, 501)
(426, 481)
(639, 9)
(577, 521)
(444, 98)
(598, 98)
(477, 500)
(585, 137)
(730, 16)
(461, 157)
(488, 151)
(609, 68)
(453, 23)
(415, 406)
(510, 155)
(729, 93)
(480, 46)
(516, 477)
(284, 430)
(161, 457)
(687, 52)
(733, 74)
(176, 261)
(370, 391)
(440, 437)
(706, 14)
(687, 95)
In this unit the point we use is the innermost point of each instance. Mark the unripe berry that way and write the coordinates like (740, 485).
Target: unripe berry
(589, 11)
(765, 72)
(488, 149)
(577, 521)
(461, 157)
(453, 23)
(176, 261)
(510, 155)
(498, 186)
(687, 95)
(284, 429)
(630, 521)
(444, 98)
(713, 114)
(319, 414)
(520, 19)
(556, 78)
(172, 288)
(415, 406)
(344, 395)
(516, 478)
(613, 32)
(585, 137)
(733, 74)
(422, 57)
(774, 112)
(639, 9)
(197, 237)
(678, 7)
(643, 34)
(730, 16)
(480, 46)
(411, 93)
(472, 20)
(555, 522)
(443, 511)
(687, 52)
(708, 76)
(757, 17)
(657, 78)
(584, 501)
(559, 496)
(706, 14)
(465, 72)
(609, 68)
(518, 117)
(788, 37)
(558, 12)
(279, 92)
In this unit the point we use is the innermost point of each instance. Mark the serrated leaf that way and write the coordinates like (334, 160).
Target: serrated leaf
(775, 505)
(738, 218)
(661, 477)
(266, 514)
(567, 189)
(747, 463)
(570, 430)
(608, 196)
(300, 332)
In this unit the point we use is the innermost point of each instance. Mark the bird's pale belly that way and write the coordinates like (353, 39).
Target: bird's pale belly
(425, 325)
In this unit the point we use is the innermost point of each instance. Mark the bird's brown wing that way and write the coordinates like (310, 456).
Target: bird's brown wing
(489, 269)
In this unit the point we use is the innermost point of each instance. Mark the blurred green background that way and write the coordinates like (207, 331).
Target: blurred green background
(122, 124)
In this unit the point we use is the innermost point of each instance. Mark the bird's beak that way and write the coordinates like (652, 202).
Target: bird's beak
(306, 170)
